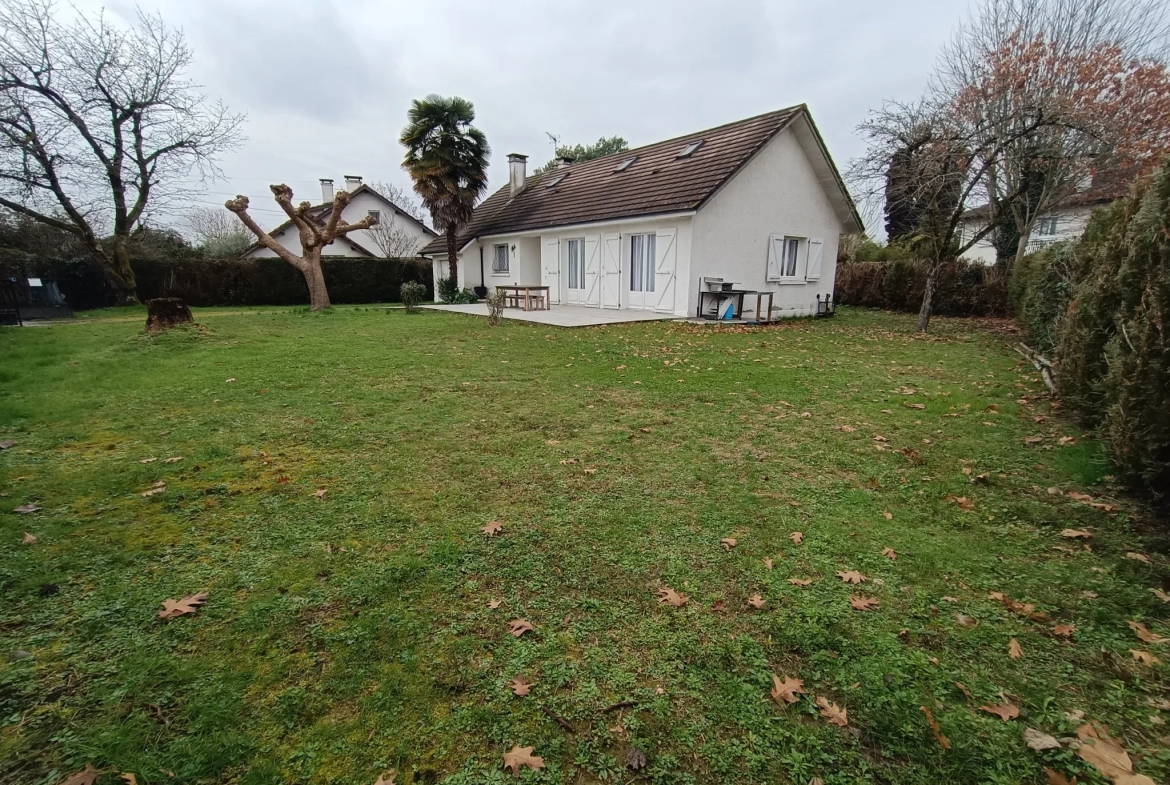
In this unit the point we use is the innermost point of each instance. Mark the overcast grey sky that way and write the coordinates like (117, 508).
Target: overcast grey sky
(326, 83)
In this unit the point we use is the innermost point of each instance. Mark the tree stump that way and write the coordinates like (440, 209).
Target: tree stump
(165, 312)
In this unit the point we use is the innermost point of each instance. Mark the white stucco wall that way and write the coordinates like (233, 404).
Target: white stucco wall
(1070, 225)
(777, 193)
(353, 212)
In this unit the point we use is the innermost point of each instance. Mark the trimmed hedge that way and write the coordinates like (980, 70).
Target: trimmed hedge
(230, 282)
(964, 288)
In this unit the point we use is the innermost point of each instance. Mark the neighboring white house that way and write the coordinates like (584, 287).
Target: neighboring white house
(396, 234)
(758, 203)
(1067, 222)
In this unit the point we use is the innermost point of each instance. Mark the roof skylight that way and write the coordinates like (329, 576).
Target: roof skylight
(556, 180)
(626, 164)
(690, 149)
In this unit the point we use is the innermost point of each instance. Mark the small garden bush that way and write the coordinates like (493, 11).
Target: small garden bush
(964, 288)
(450, 293)
(1041, 287)
(412, 293)
(495, 304)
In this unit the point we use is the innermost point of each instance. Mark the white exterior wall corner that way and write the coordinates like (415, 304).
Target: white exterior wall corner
(777, 192)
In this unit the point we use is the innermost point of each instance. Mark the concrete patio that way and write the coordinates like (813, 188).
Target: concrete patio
(561, 315)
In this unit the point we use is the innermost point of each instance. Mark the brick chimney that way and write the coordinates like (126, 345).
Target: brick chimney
(326, 189)
(517, 172)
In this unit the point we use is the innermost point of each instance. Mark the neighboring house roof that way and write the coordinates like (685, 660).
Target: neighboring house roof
(318, 212)
(658, 181)
(1106, 186)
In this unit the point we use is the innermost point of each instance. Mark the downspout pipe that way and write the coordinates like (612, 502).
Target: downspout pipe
(481, 290)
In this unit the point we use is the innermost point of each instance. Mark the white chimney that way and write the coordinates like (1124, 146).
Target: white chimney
(352, 182)
(517, 172)
(565, 161)
(326, 189)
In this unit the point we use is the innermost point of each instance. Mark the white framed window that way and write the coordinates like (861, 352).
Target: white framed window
(577, 264)
(786, 258)
(376, 213)
(500, 259)
(642, 262)
(1046, 226)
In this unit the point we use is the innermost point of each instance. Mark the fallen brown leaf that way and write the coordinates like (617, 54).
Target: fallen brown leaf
(1015, 650)
(1076, 533)
(863, 603)
(833, 713)
(668, 596)
(493, 604)
(184, 607)
(148, 460)
(320, 493)
(963, 620)
(518, 627)
(1103, 752)
(729, 543)
(963, 689)
(1064, 630)
(719, 606)
(768, 562)
(392, 774)
(890, 554)
(797, 537)
(756, 601)
(1145, 634)
(1161, 595)
(851, 576)
(520, 757)
(87, 776)
(6, 444)
(25, 509)
(28, 539)
(520, 686)
(800, 581)
(889, 516)
(1144, 657)
(1139, 557)
(1005, 712)
(1057, 778)
(492, 528)
(943, 741)
(786, 690)
(963, 502)
(1038, 740)
(175, 459)
(131, 779)
(635, 759)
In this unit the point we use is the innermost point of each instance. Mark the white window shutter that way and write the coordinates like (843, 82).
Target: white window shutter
(775, 257)
(815, 250)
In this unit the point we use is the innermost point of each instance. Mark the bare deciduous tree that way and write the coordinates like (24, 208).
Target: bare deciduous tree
(401, 198)
(316, 230)
(218, 233)
(1090, 68)
(98, 124)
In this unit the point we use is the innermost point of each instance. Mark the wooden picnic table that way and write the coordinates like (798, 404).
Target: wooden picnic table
(528, 295)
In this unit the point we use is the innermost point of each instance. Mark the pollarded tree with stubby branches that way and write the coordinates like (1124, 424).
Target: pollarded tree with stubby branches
(99, 125)
(447, 157)
(316, 231)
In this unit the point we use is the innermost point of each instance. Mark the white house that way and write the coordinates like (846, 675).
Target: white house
(396, 234)
(1066, 222)
(758, 203)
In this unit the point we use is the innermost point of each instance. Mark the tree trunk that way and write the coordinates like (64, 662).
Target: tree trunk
(165, 312)
(1022, 245)
(318, 294)
(119, 274)
(452, 252)
(928, 299)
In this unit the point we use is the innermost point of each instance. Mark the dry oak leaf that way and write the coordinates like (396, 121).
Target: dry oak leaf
(833, 713)
(570, 461)
(131, 779)
(320, 493)
(1145, 634)
(889, 516)
(796, 537)
(518, 627)
(176, 459)
(493, 528)
(756, 601)
(520, 686)
(963, 620)
(729, 543)
(1160, 703)
(1138, 557)
(863, 603)
(493, 604)
(184, 607)
(890, 554)
(768, 562)
(1015, 650)
(963, 689)
(87, 776)
(1064, 630)
(1057, 778)
(1005, 713)
(1144, 657)
(28, 539)
(851, 576)
(4, 445)
(1103, 752)
(943, 741)
(1038, 740)
(800, 581)
(635, 759)
(1073, 534)
(520, 757)
(786, 690)
(1161, 595)
(25, 509)
(964, 503)
(393, 773)
(148, 460)
(668, 596)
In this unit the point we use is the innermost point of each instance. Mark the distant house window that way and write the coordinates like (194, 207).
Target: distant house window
(1046, 226)
(690, 149)
(626, 164)
(642, 262)
(377, 214)
(500, 260)
(556, 180)
(576, 264)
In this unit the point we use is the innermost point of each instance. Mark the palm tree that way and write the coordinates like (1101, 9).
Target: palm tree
(448, 158)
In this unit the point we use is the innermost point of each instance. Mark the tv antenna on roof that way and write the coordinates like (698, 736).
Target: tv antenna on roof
(556, 140)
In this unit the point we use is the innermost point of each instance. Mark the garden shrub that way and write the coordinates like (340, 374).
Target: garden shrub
(495, 305)
(412, 293)
(964, 288)
(1041, 286)
(450, 293)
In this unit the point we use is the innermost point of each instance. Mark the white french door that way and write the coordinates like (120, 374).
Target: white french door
(575, 272)
(641, 271)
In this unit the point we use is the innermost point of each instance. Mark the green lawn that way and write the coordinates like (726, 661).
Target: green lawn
(347, 635)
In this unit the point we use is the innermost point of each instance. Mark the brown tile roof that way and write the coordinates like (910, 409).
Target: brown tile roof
(657, 182)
